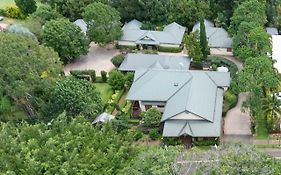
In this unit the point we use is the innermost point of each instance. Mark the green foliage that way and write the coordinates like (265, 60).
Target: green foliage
(28, 70)
(116, 79)
(103, 21)
(117, 60)
(229, 101)
(129, 78)
(14, 12)
(76, 97)
(45, 13)
(188, 12)
(66, 38)
(103, 76)
(113, 101)
(192, 43)
(66, 146)
(34, 26)
(84, 74)
(120, 123)
(172, 141)
(137, 135)
(206, 141)
(248, 11)
(220, 61)
(26, 6)
(170, 49)
(203, 40)
(153, 134)
(105, 91)
(151, 117)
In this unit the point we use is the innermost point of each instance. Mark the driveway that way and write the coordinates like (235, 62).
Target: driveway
(97, 59)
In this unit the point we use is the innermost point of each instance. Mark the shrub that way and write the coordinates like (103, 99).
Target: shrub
(117, 60)
(2, 12)
(230, 100)
(138, 135)
(151, 117)
(206, 141)
(103, 76)
(92, 74)
(129, 78)
(84, 74)
(14, 12)
(172, 141)
(153, 134)
(220, 61)
(170, 49)
(116, 79)
(120, 123)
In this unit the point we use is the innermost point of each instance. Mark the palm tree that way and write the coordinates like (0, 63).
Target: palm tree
(271, 107)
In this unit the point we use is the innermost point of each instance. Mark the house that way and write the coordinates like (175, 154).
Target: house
(276, 51)
(81, 24)
(271, 31)
(219, 40)
(133, 35)
(133, 62)
(191, 101)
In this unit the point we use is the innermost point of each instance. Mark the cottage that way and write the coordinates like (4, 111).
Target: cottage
(191, 101)
(219, 40)
(132, 62)
(133, 35)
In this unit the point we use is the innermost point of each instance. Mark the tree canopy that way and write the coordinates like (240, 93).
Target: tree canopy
(103, 21)
(65, 38)
(26, 6)
(27, 71)
(76, 97)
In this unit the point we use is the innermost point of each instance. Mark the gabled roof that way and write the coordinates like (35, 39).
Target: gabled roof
(172, 34)
(272, 31)
(81, 24)
(134, 62)
(276, 51)
(217, 36)
(192, 98)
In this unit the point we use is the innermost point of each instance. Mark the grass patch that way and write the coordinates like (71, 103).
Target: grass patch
(105, 91)
(6, 3)
(12, 21)
(268, 146)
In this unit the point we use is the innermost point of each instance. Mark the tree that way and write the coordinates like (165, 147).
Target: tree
(76, 97)
(248, 11)
(104, 23)
(188, 12)
(65, 38)
(26, 6)
(27, 71)
(116, 79)
(258, 78)
(152, 117)
(45, 13)
(203, 40)
(272, 111)
(193, 47)
(251, 40)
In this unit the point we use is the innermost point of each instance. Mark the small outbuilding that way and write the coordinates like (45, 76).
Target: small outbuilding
(104, 117)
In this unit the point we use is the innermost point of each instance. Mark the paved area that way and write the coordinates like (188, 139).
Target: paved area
(237, 122)
(97, 59)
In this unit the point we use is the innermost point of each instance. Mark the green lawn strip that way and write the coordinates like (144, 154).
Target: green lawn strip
(268, 146)
(105, 91)
(6, 3)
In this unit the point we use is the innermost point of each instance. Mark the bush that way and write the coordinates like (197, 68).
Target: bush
(138, 135)
(129, 78)
(153, 134)
(14, 12)
(116, 79)
(230, 100)
(220, 61)
(2, 12)
(120, 123)
(117, 60)
(151, 117)
(172, 141)
(206, 141)
(103, 76)
(84, 74)
(170, 49)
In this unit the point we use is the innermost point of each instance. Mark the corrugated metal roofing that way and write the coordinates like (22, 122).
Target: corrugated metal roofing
(81, 24)
(133, 62)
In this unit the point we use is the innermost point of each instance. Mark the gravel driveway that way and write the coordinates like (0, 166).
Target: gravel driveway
(97, 59)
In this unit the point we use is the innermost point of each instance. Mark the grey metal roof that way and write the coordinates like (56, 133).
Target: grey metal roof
(196, 93)
(15, 28)
(272, 31)
(81, 24)
(206, 22)
(172, 34)
(104, 117)
(134, 62)
(217, 36)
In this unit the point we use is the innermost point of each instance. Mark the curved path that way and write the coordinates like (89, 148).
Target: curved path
(236, 122)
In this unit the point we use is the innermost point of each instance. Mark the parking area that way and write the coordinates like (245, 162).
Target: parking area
(97, 59)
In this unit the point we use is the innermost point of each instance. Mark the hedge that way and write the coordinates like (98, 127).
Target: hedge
(206, 141)
(229, 102)
(170, 49)
(220, 61)
(84, 74)
(114, 100)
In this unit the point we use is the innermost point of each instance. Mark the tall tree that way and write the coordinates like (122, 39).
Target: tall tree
(248, 11)
(104, 23)
(27, 72)
(258, 78)
(66, 38)
(192, 44)
(76, 97)
(26, 6)
(203, 40)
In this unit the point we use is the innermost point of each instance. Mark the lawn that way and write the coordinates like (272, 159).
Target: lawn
(5, 3)
(105, 90)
